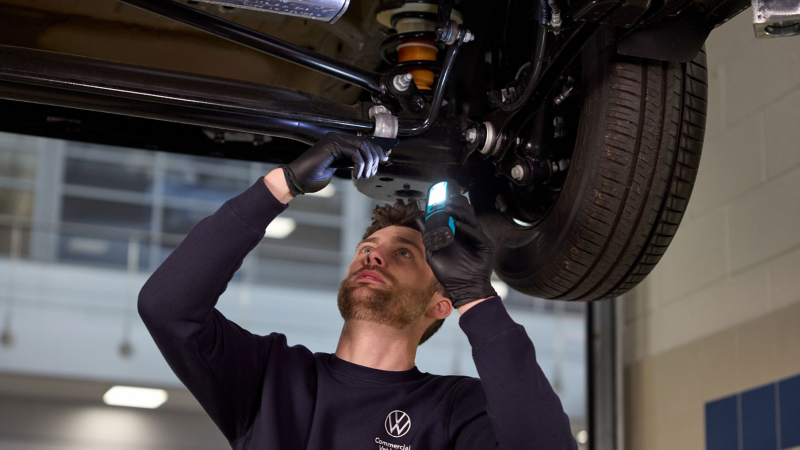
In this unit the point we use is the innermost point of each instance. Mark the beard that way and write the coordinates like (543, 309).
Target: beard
(396, 307)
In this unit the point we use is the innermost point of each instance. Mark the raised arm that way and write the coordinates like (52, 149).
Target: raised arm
(222, 364)
(219, 362)
(523, 411)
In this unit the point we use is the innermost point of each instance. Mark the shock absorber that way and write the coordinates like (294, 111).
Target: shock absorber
(413, 49)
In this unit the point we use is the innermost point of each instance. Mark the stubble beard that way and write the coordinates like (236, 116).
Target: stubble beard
(396, 307)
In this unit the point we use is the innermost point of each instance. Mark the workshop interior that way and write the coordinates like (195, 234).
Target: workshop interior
(635, 164)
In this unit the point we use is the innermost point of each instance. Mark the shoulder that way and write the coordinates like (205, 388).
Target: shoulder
(463, 392)
(280, 348)
(469, 398)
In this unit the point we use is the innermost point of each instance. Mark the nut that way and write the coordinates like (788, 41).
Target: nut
(471, 135)
(402, 82)
(417, 104)
(468, 36)
(517, 172)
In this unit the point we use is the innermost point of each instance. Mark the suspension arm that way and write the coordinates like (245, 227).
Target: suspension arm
(239, 34)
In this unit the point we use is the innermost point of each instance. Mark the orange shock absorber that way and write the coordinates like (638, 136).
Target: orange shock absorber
(419, 49)
(413, 47)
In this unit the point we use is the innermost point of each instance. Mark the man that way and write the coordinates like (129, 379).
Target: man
(263, 394)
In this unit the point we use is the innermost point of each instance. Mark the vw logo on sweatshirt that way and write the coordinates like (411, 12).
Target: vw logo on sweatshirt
(397, 423)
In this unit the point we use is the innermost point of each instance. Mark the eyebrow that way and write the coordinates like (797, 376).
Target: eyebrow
(397, 240)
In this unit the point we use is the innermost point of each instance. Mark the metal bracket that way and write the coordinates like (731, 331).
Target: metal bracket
(776, 18)
(385, 123)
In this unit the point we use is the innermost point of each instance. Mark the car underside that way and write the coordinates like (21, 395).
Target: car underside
(575, 126)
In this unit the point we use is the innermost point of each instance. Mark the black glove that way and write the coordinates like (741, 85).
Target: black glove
(312, 170)
(464, 267)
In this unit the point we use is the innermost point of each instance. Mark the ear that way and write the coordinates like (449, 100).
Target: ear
(441, 307)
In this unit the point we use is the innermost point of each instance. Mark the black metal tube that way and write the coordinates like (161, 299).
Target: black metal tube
(307, 133)
(72, 81)
(239, 34)
(415, 128)
(545, 16)
(537, 64)
(554, 9)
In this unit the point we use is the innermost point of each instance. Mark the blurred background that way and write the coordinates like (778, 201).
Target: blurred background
(82, 227)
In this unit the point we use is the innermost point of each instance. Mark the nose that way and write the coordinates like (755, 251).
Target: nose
(374, 258)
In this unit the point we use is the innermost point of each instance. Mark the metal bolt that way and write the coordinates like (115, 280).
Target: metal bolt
(471, 135)
(468, 36)
(517, 172)
(417, 103)
(402, 82)
(555, 22)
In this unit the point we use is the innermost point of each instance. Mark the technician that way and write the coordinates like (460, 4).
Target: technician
(368, 395)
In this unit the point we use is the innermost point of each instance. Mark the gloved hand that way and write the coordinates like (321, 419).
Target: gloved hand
(312, 170)
(464, 267)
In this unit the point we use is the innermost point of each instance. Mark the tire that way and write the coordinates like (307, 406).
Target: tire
(632, 171)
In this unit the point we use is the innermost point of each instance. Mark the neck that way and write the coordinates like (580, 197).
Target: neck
(377, 346)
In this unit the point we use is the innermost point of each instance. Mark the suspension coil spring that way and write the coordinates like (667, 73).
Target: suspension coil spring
(413, 49)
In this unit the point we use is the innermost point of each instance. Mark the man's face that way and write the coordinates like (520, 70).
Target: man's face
(389, 280)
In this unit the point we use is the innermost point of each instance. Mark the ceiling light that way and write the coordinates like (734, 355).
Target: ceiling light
(500, 287)
(326, 192)
(280, 227)
(88, 246)
(135, 397)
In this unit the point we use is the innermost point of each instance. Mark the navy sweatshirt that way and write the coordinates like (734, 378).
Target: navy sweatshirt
(266, 395)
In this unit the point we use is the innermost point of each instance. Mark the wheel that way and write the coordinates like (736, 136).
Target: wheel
(635, 158)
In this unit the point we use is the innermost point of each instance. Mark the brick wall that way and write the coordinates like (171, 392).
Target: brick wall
(721, 313)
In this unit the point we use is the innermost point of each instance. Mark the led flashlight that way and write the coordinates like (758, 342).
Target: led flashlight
(440, 229)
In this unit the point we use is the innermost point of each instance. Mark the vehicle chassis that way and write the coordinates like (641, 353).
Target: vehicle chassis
(433, 145)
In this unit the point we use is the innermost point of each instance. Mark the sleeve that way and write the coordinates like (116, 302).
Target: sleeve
(219, 362)
(522, 410)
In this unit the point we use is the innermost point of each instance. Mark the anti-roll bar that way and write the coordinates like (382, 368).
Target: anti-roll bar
(239, 34)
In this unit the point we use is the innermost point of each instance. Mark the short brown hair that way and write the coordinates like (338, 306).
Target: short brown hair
(403, 215)
(400, 214)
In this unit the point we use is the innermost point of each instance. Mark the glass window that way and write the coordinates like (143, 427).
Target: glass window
(190, 183)
(18, 156)
(104, 252)
(105, 213)
(104, 174)
(16, 203)
(181, 221)
(17, 164)
(329, 205)
(308, 237)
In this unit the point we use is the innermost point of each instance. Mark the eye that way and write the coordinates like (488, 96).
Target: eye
(365, 249)
(405, 253)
